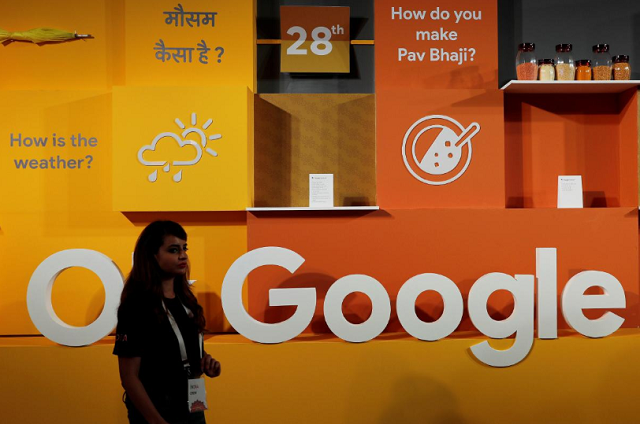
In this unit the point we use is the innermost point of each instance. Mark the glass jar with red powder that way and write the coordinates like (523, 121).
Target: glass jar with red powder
(526, 63)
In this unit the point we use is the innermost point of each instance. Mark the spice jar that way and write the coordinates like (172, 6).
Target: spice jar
(583, 70)
(526, 65)
(565, 68)
(621, 68)
(546, 72)
(601, 62)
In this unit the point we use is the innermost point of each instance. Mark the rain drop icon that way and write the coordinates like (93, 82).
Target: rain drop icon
(153, 176)
(178, 177)
(166, 168)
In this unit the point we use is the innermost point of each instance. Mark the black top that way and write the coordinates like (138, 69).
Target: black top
(142, 333)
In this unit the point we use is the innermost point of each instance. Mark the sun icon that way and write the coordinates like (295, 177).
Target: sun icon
(203, 137)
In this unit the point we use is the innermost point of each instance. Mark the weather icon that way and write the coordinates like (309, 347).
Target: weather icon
(182, 141)
(437, 150)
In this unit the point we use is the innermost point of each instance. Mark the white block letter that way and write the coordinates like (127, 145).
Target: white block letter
(546, 272)
(574, 301)
(451, 297)
(520, 321)
(245, 324)
(380, 308)
(39, 297)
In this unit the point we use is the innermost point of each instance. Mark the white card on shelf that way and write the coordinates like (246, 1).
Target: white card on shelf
(320, 190)
(570, 191)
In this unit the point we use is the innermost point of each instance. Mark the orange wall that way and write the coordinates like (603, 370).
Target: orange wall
(462, 244)
(590, 135)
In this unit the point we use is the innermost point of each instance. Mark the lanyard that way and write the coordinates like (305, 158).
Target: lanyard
(178, 333)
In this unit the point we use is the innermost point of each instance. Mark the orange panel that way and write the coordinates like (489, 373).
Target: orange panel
(593, 135)
(463, 245)
(481, 185)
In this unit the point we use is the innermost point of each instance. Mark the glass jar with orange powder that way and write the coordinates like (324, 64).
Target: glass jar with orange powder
(583, 70)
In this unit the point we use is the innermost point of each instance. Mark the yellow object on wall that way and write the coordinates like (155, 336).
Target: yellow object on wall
(76, 65)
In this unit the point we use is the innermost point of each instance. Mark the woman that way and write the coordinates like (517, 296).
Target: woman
(159, 334)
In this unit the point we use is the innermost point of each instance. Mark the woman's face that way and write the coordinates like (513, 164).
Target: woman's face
(172, 256)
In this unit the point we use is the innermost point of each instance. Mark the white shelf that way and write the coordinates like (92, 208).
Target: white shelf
(337, 208)
(573, 87)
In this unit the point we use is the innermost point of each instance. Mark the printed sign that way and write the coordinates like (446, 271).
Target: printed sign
(169, 42)
(435, 44)
(314, 39)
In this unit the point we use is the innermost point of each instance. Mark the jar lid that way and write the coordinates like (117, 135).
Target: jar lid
(563, 48)
(621, 58)
(545, 62)
(526, 47)
(583, 62)
(600, 48)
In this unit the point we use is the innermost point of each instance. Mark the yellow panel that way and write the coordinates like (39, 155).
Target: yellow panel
(26, 239)
(43, 211)
(393, 379)
(232, 29)
(211, 173)
(32, 119)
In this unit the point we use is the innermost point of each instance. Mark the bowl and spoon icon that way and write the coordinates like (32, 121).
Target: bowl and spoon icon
(446, 151)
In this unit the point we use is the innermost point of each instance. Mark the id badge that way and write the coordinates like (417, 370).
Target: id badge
(197, 395)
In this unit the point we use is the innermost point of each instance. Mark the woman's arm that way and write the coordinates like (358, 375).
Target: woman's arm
(129, 370)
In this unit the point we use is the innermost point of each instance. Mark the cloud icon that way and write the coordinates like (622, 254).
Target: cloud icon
(178, 140)
(200, 146)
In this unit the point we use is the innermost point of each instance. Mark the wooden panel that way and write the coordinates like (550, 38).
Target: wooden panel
(301, 134)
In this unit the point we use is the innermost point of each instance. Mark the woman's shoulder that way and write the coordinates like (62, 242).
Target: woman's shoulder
(136, 304)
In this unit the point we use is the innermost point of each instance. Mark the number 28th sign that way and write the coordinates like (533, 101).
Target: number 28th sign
(314, 39)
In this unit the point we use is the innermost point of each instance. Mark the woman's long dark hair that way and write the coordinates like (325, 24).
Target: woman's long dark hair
(146, 276)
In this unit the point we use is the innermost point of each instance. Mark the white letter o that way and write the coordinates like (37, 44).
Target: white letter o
(451, 297)
(380, 308)
(39, 296)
